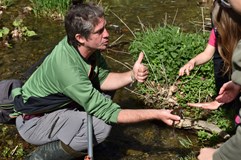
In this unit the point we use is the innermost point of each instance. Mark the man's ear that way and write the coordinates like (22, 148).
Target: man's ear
(80, 38)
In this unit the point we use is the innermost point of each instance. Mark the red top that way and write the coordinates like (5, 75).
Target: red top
(212, 38)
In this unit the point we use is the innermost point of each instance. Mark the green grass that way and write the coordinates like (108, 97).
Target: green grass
(50, 7)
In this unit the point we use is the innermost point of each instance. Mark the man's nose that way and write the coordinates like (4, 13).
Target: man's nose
(106, 33)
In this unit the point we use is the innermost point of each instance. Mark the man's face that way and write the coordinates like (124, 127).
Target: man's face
(99, 37)
(236, 5)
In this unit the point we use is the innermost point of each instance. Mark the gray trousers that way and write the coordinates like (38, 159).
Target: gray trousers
(68, 126)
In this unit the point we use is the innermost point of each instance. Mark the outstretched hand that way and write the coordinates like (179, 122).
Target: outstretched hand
(208, 105)
(186, 68)
(139, 69)
(228, 92)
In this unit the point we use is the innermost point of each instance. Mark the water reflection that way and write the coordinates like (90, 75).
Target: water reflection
(153, 12)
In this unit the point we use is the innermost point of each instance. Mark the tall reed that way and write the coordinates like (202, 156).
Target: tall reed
(52, 7)
(49, 7)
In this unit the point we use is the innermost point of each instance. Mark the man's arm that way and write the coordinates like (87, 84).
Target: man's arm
(139, 115)
(118, 80)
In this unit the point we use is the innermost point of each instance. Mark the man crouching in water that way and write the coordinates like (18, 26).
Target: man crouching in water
(76, 71)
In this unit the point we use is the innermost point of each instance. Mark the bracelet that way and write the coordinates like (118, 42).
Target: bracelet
(133, 79)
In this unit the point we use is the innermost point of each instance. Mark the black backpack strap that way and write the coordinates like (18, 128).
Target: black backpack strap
(33, 68)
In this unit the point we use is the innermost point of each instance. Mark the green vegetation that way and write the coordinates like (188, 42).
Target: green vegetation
(6, 3)
(186, 143)
(19, 31)
(191, 156)
(52, 8)
(166, 50)
(11, 149)
(4, 32)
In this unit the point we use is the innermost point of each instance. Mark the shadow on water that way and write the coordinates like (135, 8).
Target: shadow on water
(148, 140)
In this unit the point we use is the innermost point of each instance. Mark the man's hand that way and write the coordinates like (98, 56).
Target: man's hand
(228, 92)
(206, 154)
(139, 70)
(167, 117)
(209, 105)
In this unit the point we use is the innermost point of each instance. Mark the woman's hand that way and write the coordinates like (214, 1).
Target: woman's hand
(208, 105)
(187, 68)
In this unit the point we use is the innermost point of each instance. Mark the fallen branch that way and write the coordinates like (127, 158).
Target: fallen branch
(187, 123)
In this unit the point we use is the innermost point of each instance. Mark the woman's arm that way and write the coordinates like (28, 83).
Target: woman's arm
(200, 59)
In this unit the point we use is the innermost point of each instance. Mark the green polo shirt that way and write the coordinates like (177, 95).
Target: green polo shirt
(66, 72)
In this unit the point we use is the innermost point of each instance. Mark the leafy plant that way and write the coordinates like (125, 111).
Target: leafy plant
(203, 136)
(222, 117)
(17, 151)
(21, 30)
(166, 50)
(4, 32)
(5, 130)
(20, 151)
(6, 151)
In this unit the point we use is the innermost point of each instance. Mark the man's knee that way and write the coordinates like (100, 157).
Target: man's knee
(101, 131)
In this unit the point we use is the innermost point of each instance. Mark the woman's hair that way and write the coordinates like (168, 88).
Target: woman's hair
(81, 19)
(228, 24)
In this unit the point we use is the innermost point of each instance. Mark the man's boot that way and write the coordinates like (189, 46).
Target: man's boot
(54, 151)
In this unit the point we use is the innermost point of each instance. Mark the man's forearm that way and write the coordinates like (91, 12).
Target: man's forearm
(137, 115)
(117, 80)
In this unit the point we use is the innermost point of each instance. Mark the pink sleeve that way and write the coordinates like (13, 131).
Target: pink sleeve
(212, 38)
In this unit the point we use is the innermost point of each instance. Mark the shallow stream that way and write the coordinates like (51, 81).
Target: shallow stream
(149, 140)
